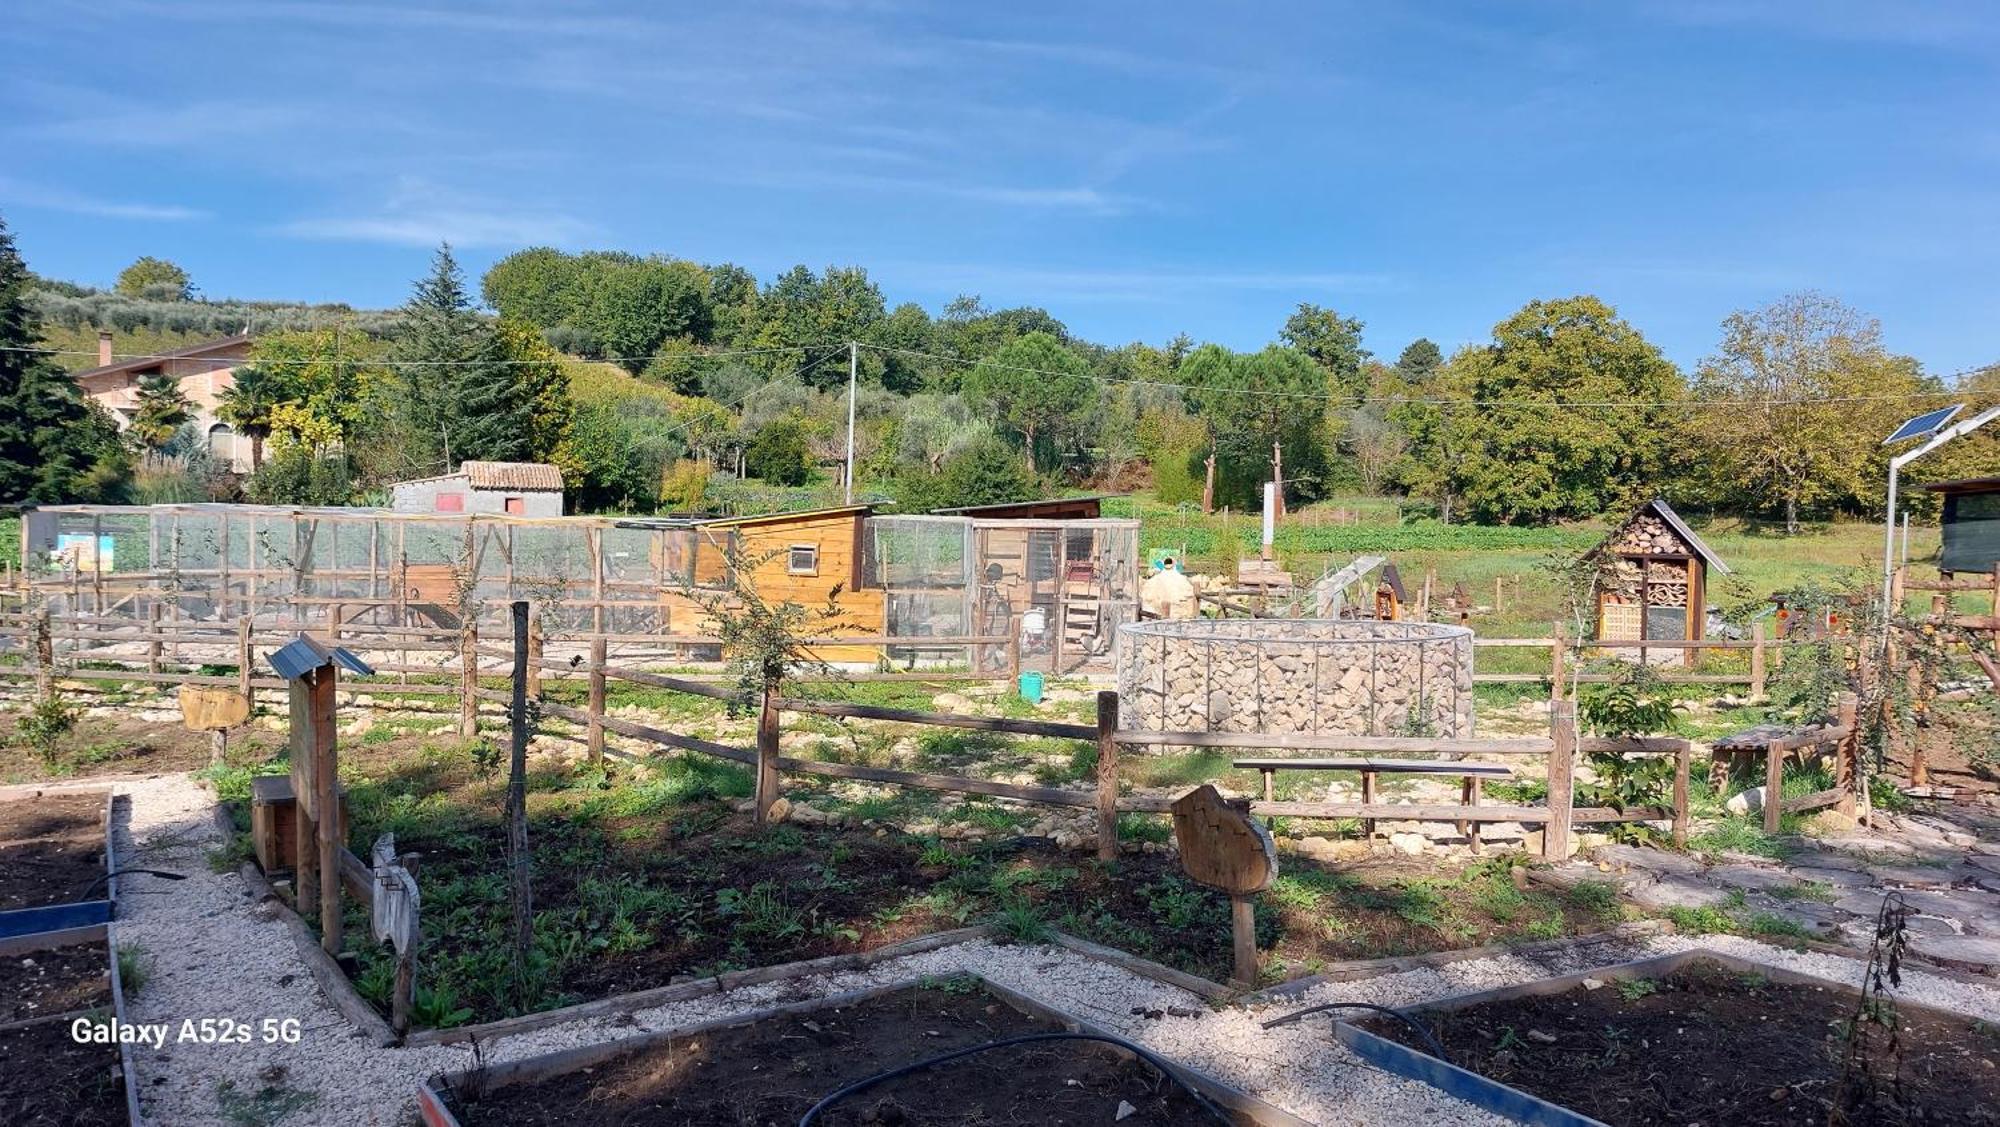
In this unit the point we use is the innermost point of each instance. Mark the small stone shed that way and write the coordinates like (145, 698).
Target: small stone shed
(1653, 581)
(521, 489)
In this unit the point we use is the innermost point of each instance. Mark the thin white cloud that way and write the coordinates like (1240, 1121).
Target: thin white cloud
(419, 213)
(1134, 284)
(61, 199)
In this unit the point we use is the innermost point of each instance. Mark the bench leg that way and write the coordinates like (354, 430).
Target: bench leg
(1270, 789)
(1368, 799)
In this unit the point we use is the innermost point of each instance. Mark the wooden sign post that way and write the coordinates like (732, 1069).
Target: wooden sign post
(1224, 848)
(214, 710)
(311, 668)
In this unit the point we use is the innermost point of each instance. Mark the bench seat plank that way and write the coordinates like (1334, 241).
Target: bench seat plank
(1385, 766)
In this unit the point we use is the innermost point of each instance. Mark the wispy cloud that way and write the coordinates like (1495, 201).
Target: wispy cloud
(139, 125)
(1136, 284)
(421, 214)
(61, 199)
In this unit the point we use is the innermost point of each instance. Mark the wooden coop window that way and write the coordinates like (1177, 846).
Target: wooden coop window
(802, 559)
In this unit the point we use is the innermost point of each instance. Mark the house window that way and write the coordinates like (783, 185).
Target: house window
(803, 559)
(451, 502)
(516, 507)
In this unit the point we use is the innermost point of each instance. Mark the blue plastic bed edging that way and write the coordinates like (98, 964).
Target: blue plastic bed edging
(1477, 1090)
(53, 917)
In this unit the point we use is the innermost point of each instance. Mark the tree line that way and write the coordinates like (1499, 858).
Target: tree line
(710, 386)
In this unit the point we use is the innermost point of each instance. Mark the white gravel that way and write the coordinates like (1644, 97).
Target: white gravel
(214, 953)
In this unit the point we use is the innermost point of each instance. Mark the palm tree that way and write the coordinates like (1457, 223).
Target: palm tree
(163, 409)
(247, 406)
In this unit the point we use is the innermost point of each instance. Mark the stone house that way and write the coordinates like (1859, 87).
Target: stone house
(522, 489)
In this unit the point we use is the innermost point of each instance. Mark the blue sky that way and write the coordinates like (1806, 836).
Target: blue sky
(1140, 170)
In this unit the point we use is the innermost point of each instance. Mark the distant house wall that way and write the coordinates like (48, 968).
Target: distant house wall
(204, 373)
(424, 497)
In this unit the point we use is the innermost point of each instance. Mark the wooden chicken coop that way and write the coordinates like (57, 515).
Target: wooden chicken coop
(1653, 581)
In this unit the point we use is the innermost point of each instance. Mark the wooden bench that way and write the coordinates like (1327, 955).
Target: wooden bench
(1472, 777)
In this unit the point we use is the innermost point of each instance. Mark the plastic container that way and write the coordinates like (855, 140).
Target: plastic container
(1031, 687)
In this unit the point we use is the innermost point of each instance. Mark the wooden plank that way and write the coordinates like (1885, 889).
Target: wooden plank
(1409, 812)
(1053, 796)
(1813, 801)
(1107, 776)
(1526, 745)
(744, 756)
(941, 719)
(1385, 766)
(1561, 776)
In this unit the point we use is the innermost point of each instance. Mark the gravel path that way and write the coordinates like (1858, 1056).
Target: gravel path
(215, 953)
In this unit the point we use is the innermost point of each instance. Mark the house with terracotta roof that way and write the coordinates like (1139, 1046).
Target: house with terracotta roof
(204, 371)
(521, 489)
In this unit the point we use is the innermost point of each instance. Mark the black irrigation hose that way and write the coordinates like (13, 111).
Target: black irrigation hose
(1028, 1038)
(109, 877)
(1436, 1049)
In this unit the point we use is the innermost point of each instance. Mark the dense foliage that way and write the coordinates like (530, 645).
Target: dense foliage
(657, 383)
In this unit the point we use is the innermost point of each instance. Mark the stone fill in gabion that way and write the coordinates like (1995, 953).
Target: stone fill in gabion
(1286, 675)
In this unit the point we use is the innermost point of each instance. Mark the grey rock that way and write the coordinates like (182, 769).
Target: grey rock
(1675, 891)
(1649, 860)
(1838, 878)
(1979, 955)
(1751, 877)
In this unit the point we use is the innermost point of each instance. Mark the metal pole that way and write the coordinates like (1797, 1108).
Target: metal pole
(853, 368)
(1889, 542)
(1906, 536)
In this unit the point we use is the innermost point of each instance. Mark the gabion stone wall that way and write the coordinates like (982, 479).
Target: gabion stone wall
(1285, 675)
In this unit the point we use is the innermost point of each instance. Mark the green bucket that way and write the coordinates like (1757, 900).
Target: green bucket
(1031, 687)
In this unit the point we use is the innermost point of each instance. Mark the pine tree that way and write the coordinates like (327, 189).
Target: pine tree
(54, 444)
(461, 397)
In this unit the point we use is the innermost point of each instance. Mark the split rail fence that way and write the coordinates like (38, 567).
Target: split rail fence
(121, 650)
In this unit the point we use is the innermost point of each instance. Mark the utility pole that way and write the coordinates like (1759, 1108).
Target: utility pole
(853, 366)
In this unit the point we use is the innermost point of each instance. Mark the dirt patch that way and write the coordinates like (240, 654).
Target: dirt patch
(48, 1080)
(1707, 1044)
(56, 981)
(114, 745)
(51, 849)
(773, 1070)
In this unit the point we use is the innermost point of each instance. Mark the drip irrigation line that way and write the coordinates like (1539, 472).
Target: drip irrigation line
(109, 877)
(881, 1077)
(1436, 1049)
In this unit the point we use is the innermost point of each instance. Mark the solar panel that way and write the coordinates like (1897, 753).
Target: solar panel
(1925, 424)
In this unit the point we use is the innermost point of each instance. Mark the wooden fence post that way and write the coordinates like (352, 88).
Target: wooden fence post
(535, 656)
(405, 990)
(45, 656)
(326, 801)
(1683, 763)
(767, 753)
(468, 679)
(1847, 757)
(1556, 649)
(1562, 777)
(153, 637)
(1757, 673)
(1107, 776)
(245, 661)
(1774, 785)
(520, 894)
(594, 732)
(1496, 595)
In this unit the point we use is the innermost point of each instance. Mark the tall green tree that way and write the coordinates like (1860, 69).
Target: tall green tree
(1419, 361)
(1333, 342)
(163, 409)
(155, 279)
(1252, 402)
(603, 303)
(461, 396)
(54, 444)
(1560, 416)
(1034, 388)
(1796, 403)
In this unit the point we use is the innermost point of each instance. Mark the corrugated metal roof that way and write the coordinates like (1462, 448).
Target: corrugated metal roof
(304, 654)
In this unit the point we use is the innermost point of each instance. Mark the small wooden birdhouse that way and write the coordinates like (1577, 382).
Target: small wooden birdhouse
(1653, 581)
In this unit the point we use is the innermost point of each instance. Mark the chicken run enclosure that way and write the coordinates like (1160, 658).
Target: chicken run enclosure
(987, 595)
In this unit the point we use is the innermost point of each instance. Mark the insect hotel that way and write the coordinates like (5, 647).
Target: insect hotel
(1653, 582)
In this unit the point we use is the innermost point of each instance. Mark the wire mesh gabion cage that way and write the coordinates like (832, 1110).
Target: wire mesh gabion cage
(1288, 675)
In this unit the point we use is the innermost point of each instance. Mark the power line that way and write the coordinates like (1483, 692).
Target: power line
(1397, 400)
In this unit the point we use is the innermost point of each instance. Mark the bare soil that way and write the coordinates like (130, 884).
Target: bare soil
(1709, 1045)
(113, 745)
(51, 849)
(56, 981)
(47, 1079)
(772, 1071)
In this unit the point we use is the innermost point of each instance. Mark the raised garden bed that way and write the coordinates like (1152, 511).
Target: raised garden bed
(773, 1066)
(48, 1078)
(53, 982)
(53, 864)
(1696, 1037)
